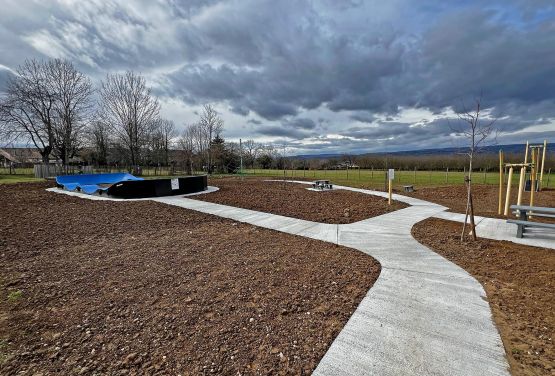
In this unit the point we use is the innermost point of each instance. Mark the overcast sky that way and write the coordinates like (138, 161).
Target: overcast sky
(318, 76)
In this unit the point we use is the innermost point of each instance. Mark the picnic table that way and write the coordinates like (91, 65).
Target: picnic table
(322, 184)
(524, 214)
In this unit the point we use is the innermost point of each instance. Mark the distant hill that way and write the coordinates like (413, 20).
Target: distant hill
(494, 149)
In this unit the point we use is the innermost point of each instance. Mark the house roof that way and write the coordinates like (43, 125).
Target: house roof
(19, 155)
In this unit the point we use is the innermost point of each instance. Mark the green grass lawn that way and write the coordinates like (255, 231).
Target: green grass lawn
(19, 178)
(376, 178)
(356, 178)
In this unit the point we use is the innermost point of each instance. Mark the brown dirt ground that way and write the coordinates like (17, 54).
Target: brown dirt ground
(144, 288)
(484, 197)
(294, 200)
(520, 285)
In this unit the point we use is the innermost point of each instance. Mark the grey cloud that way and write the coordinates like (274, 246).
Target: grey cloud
(301, 123)
(281, 60)
(5, 75)
(280, 131)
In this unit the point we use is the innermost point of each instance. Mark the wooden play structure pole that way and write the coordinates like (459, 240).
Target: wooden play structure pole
(508, 195)
(543, 163)
(500, 206)
(533, 177)
(521, 185)
(526, 153)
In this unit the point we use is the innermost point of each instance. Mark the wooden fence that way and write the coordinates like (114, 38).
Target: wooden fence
(50, 170)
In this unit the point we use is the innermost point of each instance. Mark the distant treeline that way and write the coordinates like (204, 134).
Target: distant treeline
(489, 162)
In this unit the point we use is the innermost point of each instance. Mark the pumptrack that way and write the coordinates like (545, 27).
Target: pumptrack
(124, 185)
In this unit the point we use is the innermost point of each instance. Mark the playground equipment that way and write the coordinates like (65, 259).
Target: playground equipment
(122, 185)
(533, 184)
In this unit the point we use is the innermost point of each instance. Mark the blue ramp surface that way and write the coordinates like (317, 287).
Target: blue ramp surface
(90, 183)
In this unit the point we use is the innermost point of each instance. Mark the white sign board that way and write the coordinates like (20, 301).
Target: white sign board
(175, 184)
(391, 174)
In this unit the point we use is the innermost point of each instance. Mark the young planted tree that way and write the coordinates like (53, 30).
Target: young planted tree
(129, 109)
(477, 129)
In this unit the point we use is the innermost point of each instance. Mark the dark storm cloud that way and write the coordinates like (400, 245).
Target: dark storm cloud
(280, 131)
(290, 62)
(466, 51)
(300, 123)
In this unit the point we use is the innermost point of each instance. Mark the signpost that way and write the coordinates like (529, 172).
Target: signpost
(390, 177)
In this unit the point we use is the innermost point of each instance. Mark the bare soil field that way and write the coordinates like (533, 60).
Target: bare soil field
(520, 285)
(294, 200)
(98, 287)
(485, 198)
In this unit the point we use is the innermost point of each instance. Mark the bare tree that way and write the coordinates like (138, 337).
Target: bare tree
(162, 136)
(99, 137)
(27, 109)
(127, 106)
(72, 105)
(188, 144)
(251, 150)
(210, 126)
(477, 131)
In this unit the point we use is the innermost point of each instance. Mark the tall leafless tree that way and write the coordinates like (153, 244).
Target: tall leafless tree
(98, 136)
(210, 125)
(188, 144)
(27, 110)
(251, 151)
(128, 107)
(162, 138)
(477, 129)
(73, 91)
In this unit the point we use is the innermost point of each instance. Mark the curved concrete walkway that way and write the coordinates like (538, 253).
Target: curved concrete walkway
(423, 316)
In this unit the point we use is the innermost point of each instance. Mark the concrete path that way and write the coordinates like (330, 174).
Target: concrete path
(489, 228)
(423, 316)
(499, 229)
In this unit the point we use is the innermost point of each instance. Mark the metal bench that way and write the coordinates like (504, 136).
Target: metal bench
(524, 214)
(408, 188)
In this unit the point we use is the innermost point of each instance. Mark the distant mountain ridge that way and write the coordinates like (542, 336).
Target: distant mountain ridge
(492, 149)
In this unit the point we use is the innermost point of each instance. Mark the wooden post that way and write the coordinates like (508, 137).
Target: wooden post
(526, 153)
(521, 185)
(390, 190)
(543, 163)
(499, 209)
(508, 195)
